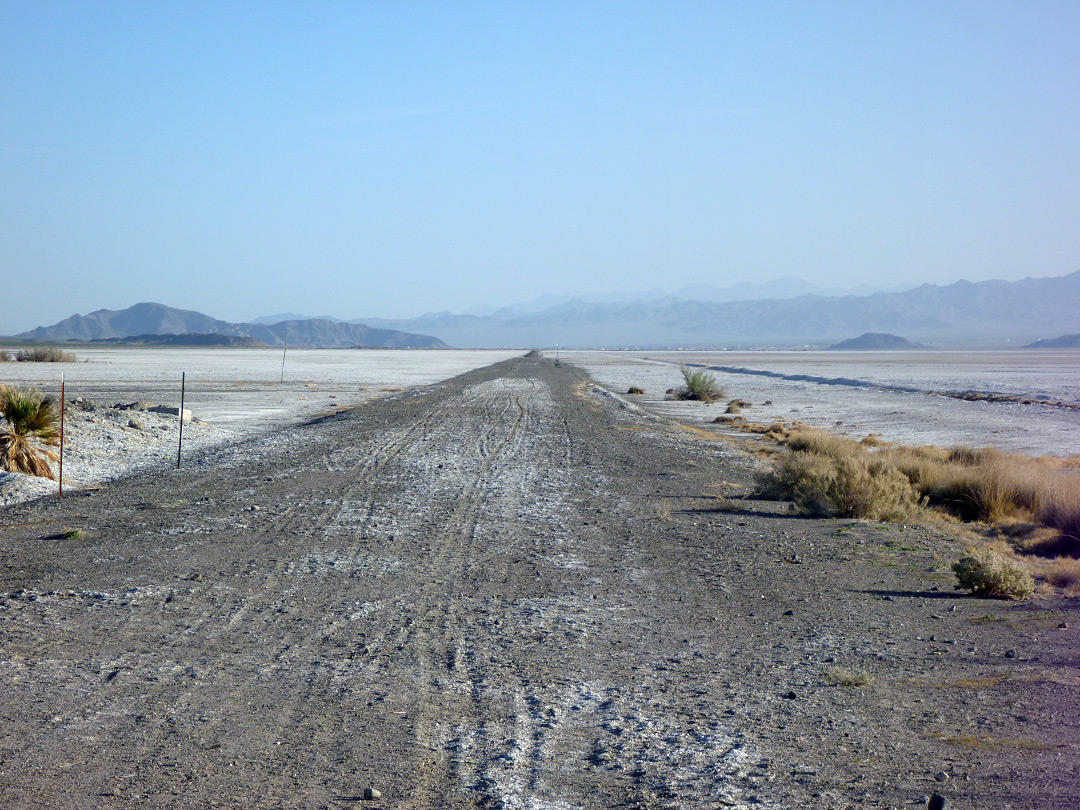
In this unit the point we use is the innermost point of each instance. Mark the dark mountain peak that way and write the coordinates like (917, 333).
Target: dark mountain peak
(150, 318)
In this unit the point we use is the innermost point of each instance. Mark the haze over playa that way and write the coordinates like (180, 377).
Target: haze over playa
(385, 162)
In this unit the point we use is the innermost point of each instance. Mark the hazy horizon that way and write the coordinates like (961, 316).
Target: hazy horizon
(392, 160)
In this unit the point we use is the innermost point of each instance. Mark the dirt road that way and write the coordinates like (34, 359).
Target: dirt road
(507, 590)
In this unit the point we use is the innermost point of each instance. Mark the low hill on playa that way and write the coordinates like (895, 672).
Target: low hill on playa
(158, 319)
(875, 341)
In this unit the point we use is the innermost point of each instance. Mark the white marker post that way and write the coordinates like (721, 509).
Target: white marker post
(180, 444)
(283, 350)
(60, 493)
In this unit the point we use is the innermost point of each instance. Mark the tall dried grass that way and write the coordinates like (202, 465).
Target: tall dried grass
(44, 354)
(829, 474)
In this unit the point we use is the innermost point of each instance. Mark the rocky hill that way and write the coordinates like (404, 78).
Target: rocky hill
(158, 319)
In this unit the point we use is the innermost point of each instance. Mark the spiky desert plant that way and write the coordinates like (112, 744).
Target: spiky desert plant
(32, 428)
(700, 385)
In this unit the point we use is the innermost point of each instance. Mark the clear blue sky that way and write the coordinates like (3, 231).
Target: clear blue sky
(390, 158)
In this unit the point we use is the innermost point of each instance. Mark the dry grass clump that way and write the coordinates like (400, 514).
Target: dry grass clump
(1032, 503)
(738, 405)
(1063, 572)
(842, 676)
(989, 573)
(842, 485)
(699, 385)
(971, 484)
(633, 389)
(1061, 511)
(44, 354)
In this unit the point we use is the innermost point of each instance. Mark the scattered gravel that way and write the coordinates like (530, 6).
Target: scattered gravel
(508, 590)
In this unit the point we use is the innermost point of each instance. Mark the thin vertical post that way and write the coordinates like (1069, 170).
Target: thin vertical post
(180, 444)
(60, 494)
(283, 350)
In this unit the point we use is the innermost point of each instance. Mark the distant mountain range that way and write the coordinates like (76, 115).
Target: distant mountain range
(988, 313)
(158, 319)
(778, 288)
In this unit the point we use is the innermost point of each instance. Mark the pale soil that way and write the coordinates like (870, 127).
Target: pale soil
(507, 590)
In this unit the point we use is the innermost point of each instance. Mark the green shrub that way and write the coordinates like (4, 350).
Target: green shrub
(993, 575)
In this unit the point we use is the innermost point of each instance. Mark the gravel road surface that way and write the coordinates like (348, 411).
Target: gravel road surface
(508, 590)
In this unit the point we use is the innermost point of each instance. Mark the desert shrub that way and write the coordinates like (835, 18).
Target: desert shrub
(986, 572)
(32, 427)
(633, 389)
(44, 354)
(841, 486)
(700, 385)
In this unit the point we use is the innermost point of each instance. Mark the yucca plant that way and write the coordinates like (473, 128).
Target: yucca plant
(32, 428)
